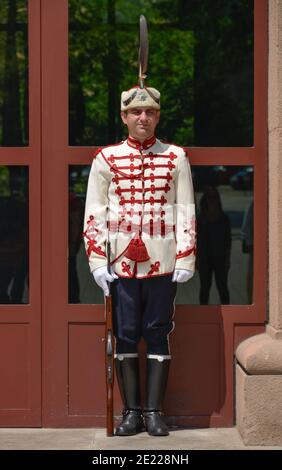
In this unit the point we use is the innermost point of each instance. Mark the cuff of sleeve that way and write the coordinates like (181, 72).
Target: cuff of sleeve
(185, 263)
(97, 263)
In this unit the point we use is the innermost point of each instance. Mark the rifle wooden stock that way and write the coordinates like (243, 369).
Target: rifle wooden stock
(109, 355)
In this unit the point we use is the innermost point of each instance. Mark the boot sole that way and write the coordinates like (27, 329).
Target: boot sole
(138, 431)
(158, 435)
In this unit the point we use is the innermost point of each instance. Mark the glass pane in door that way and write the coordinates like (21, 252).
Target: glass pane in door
(13, 73)
(224, 267)
(224, 211)
(14, 249)
(200, 58)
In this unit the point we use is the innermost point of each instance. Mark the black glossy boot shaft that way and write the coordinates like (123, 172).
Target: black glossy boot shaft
(157, 376)
(127, 371)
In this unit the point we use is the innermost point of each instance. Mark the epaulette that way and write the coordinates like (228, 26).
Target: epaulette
(96, 152)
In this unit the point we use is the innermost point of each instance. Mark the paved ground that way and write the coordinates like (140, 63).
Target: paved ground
(95, 439)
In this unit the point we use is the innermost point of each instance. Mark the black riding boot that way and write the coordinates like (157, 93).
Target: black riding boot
(127, 371)
(157, 375)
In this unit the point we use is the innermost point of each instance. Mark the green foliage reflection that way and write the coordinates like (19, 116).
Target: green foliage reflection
(201, 59)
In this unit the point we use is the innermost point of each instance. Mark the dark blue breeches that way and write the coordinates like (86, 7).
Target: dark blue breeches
(143, 308)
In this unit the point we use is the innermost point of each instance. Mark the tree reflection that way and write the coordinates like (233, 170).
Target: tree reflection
(201, 59)
(13, 73)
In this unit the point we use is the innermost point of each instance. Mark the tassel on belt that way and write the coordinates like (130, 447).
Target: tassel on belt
(136, 250)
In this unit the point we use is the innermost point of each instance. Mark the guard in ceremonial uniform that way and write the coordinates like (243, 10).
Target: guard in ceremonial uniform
(140, 197)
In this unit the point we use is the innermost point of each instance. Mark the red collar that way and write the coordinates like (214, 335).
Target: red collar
(136, 144)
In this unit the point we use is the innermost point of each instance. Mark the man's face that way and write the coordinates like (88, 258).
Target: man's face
(141, 122)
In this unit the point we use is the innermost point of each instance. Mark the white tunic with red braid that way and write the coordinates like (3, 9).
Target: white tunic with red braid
(142, 196)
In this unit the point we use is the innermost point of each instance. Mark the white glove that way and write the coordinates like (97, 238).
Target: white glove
(101, 276)
(182, 275)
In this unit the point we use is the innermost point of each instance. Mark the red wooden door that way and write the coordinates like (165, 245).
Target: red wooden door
(66, 367)
(201, 384)
(20, 245)
(73, 381)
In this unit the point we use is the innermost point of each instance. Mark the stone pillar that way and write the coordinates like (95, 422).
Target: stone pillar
(259, 367)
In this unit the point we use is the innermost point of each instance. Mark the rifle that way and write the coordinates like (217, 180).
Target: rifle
(109, 351)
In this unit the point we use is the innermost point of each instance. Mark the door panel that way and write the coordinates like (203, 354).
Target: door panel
(20, 213)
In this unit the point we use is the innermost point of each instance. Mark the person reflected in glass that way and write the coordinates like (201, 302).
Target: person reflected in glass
(247, 232)
(75, 228)
(13, 245)
(213, 246)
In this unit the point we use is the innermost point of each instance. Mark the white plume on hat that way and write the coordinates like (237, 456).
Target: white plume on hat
(138, 97)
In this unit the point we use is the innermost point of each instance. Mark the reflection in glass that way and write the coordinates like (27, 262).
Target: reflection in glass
(13, 73)
(214, 246)
(82, 287)
(201, 59)
(224, 267)
(14, 265)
